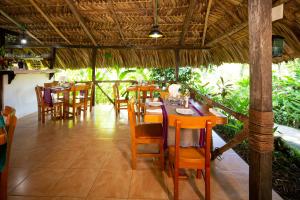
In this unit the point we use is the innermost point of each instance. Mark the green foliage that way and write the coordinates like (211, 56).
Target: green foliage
(169, 75)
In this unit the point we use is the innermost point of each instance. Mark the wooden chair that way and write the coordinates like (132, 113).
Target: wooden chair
(52, 84)
(90, 95)
(144, 134)
(44, 108)
(11, 120)
(143, 93)
(119, 102)
(190, 157)
(78, 104)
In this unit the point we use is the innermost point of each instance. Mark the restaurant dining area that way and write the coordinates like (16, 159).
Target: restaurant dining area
(102, 100)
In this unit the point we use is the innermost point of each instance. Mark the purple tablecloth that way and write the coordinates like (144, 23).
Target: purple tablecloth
(165, 124)
(48, 96)
(202, 131)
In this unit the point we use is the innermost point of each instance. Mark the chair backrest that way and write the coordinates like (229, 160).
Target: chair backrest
(39, 95)
(8, 113)
(143, 92)
(52, 84)
(196, 122)
(80, 88)
(11, 121)
(132, 117)
(116, 92)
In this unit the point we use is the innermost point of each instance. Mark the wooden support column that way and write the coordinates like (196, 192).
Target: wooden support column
(177, 60)
(260, 113)
(93, 66)
(2, 43)
(52, 61)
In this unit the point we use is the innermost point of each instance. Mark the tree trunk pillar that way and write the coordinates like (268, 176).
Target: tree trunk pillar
(93, 66)
(260, 113)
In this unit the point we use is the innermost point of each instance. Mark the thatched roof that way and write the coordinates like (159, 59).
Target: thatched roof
(204, 31)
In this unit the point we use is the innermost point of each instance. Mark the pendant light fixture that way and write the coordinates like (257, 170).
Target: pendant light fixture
(155, 32)
(23, 39)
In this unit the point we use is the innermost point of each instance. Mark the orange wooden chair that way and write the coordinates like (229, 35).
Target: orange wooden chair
(191, 157)
(119, 102)
(44, 108)
(143, 93)
(144, 134)
(52, 84)
(11, 120)
(89, 97)
(77, 104)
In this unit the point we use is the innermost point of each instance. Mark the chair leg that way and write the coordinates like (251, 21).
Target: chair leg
(39, 113)
(198, 174)
(169, 169)
(43, 115)
(162, 156)
(176, 183)
(133, 155)
(91, 106)
(207, 183)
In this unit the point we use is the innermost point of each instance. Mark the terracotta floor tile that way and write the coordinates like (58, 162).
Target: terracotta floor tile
(16, 176)
(118, 161)
(148, 184)
(75, 183)
(111, 184)
(90, 159)
(39, 182)
(27, 198)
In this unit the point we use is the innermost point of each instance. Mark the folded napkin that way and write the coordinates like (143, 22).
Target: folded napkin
(154, 110)
(174, 90)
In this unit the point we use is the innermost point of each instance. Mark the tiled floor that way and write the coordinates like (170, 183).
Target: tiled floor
(90, 159)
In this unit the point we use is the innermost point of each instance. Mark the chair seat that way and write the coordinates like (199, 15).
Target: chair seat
(148, 131)
(57, 101)
(189, 156)
(122, 99)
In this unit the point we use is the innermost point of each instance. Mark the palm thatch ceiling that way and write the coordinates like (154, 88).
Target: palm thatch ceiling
(203, 31)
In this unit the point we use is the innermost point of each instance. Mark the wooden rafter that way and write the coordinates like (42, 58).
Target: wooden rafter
(115, 18)
(225, 35)
(20, 26)
(48, 20)
(187, 21)
(206, 22)
(81, 21)
(221, 4)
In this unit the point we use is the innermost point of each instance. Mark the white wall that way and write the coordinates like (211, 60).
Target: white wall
(20, 93)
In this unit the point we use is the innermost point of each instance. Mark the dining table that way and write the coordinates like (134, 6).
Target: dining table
(56, 90)
(157, 110)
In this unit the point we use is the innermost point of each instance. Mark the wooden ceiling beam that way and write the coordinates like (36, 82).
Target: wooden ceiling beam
(81, 21)
(227, 34)
(21, 27)
(206, 22)
(220, 3)
(115, 18)
(48, 20)
(187, 21)
(109, 47)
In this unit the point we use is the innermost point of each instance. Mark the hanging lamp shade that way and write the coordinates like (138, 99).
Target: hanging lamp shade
(277, 45)
(155, 32)
(23, 39)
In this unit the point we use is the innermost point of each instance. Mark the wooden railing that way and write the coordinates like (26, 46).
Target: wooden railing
(239, 137)
(97, 84)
